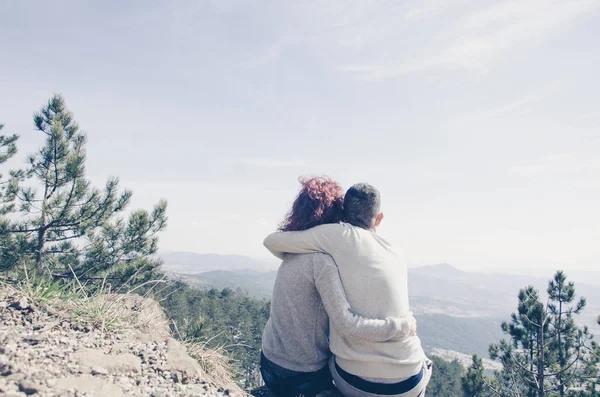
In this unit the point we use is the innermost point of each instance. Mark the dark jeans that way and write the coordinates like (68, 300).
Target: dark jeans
(353, 386)
(287, 383)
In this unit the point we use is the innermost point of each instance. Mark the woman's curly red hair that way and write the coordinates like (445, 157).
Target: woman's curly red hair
(320, 201)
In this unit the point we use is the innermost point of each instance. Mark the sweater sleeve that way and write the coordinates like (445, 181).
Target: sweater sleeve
(317, 239)
(348, 324)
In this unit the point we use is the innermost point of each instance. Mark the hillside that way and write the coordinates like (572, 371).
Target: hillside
(456, 310)
(194, 263)
(257, 284)
(494, 295)
(49, 350)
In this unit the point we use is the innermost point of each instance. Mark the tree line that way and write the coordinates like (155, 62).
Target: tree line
(53, 221)
(545, 354)
(227, 320)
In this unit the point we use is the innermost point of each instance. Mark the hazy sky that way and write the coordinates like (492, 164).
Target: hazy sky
(479, 121)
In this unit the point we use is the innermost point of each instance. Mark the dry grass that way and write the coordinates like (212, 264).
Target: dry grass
(118, 313)
(110, 312)
(215, 363)
(102, 309)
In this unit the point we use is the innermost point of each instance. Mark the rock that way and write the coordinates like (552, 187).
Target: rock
(21, 304)
(46, 355)
(89, 384)
(179, 360)
(176, 376)
(10, 347)
(12, 387)
(99, 371)
(28, 387)
(14, 394)
(15, 377)
(116, 362)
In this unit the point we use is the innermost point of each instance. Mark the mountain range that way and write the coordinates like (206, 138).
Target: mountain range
(456, 310)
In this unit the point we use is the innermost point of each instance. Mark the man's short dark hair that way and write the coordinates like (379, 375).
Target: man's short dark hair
(362, 204)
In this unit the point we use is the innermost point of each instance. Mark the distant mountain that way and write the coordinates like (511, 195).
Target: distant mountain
(442, 270)
(257, 284)
(465, 359)
(194, 263)
(456, 310)
(591, 277)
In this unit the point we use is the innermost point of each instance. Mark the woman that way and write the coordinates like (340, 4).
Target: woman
(307, 297)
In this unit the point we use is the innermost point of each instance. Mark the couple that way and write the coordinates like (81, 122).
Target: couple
(339, 309)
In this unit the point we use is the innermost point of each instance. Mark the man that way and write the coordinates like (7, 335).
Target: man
(374, 277)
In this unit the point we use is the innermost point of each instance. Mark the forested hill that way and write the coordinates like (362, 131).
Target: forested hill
(458, 311)
(233, 321)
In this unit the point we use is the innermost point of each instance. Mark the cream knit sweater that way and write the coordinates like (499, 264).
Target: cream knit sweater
(307, 297)
(374, 277)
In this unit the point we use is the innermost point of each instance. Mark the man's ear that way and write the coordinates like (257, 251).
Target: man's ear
(378, 219)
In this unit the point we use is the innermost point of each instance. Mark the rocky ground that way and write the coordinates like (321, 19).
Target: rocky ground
(42, 354)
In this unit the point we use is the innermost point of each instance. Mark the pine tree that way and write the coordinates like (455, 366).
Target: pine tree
(10, 246)
(473, 382)
(524, 357)
(566, 340)
(8, 187)
(122, 250)
(445, 378)
(591, 370)
(8, 148)
(547, 353)
(72, 226)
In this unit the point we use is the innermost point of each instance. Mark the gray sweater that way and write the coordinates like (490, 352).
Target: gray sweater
(307, 295)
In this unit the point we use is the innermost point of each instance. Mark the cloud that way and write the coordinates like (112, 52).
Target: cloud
(473, 41)
(272, 162)
(426, 9)
(267, 55)
(192, 19)
(520, 104)
(517, 104)
(525, 102)
(244, 219)
(566, 164)
(374, 72)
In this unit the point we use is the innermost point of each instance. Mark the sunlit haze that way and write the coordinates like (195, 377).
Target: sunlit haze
(477, 120)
